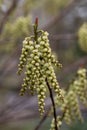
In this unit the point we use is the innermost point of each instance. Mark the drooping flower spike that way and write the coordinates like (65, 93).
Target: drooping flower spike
(38, 60)
(77, 93)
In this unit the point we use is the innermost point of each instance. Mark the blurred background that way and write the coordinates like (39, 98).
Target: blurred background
(64, 20)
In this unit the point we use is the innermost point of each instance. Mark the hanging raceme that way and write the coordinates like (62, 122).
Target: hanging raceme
(38, 60)
(80, 85)
(77, 92)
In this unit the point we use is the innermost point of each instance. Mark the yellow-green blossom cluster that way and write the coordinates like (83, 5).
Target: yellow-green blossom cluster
(59, 123)
(80, 85)
(72, 111)
(77, 91)
(58, 102)
(20, 29)
(82, 35)
(37, 58)
(14, 32)
(24, 54)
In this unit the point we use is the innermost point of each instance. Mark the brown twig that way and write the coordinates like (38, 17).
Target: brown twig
(53, 104)
(7, 14)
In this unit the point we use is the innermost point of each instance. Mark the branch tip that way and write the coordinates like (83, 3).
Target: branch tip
(36, 21)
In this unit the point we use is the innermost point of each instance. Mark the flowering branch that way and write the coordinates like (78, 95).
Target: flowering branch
(38, 59)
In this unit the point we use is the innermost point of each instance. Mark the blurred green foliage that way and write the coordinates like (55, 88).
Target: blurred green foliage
(82, 34)
(14, 32)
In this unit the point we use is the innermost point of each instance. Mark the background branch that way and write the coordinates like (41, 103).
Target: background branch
(62, 14)
(64, 36)
(7, 14)
(73, 67)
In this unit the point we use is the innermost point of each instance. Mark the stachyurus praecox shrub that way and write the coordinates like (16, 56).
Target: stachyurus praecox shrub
(38, 60)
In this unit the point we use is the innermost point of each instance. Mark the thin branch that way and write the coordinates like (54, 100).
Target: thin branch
(73, 67)
(64, 36)
(53, 104)
(7, 14)
(62, 14)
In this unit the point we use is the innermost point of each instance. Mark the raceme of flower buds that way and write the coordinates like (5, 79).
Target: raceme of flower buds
(77, 91)
(24, 54)
(70, 108)
(59, 123)
(37, 58)
(80, 85)
(74, 105)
